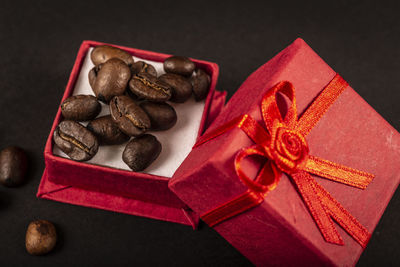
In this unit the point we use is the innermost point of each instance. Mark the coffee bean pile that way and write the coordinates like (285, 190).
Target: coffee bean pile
(137, 98)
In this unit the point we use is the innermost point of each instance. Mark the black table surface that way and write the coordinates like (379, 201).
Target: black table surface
(38, 45)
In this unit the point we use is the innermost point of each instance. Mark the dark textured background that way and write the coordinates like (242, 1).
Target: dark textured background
(38, 46)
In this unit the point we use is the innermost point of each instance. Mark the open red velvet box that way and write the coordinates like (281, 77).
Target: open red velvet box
(279, 230)
(115, 189)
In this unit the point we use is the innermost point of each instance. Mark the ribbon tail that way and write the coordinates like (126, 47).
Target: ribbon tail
(309, 192)
(338, 173)
(347, 221)
(323, 207)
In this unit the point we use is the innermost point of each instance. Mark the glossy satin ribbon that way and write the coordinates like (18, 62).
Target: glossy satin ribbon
(285, 147)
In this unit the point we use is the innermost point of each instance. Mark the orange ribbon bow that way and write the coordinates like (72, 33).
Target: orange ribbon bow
(285, 147)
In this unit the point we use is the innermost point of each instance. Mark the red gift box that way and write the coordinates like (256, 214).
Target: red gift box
(114, 189)
(280, 229)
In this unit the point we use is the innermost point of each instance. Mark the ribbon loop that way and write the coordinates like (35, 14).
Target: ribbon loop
(337, 172)
(266, 180)
(250, 183)
(270, 109)
(286, 150)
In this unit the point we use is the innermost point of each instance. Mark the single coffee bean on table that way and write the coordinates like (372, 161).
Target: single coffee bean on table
(141, 151)
(103, 53)
(80, 108)
(179, 65)
(111, 79)
(141, 66)
(75, 140)
(181, 88)
(13, 166)
(41, 237)
(162, 116)
(201, 84)
(129, 116)
(107, 131)
(149, 87)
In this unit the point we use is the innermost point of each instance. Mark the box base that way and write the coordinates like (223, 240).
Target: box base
(99, 200)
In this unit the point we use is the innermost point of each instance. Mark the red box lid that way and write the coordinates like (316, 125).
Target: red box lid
(281, 231)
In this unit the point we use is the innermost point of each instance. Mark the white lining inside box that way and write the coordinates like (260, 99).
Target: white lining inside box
(176, 142)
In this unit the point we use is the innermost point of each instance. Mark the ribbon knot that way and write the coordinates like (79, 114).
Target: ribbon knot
(287, 148)
(284, 146)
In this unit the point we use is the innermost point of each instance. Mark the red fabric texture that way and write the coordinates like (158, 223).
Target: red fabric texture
(281, 230)
(119, 190)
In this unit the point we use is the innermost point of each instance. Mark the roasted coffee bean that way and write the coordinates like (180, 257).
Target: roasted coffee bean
(103, 53)
(141, 151)
(141, 66)
(93, 74)
(132, 95)
(179, 65)
(181, 87)
(201, 84)
(162, 115)
(13, 166)
(41, 237)
(75, 140)
(130, 118)
(149, 87)
(80, 108)
(107, 131)
(111, 80)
